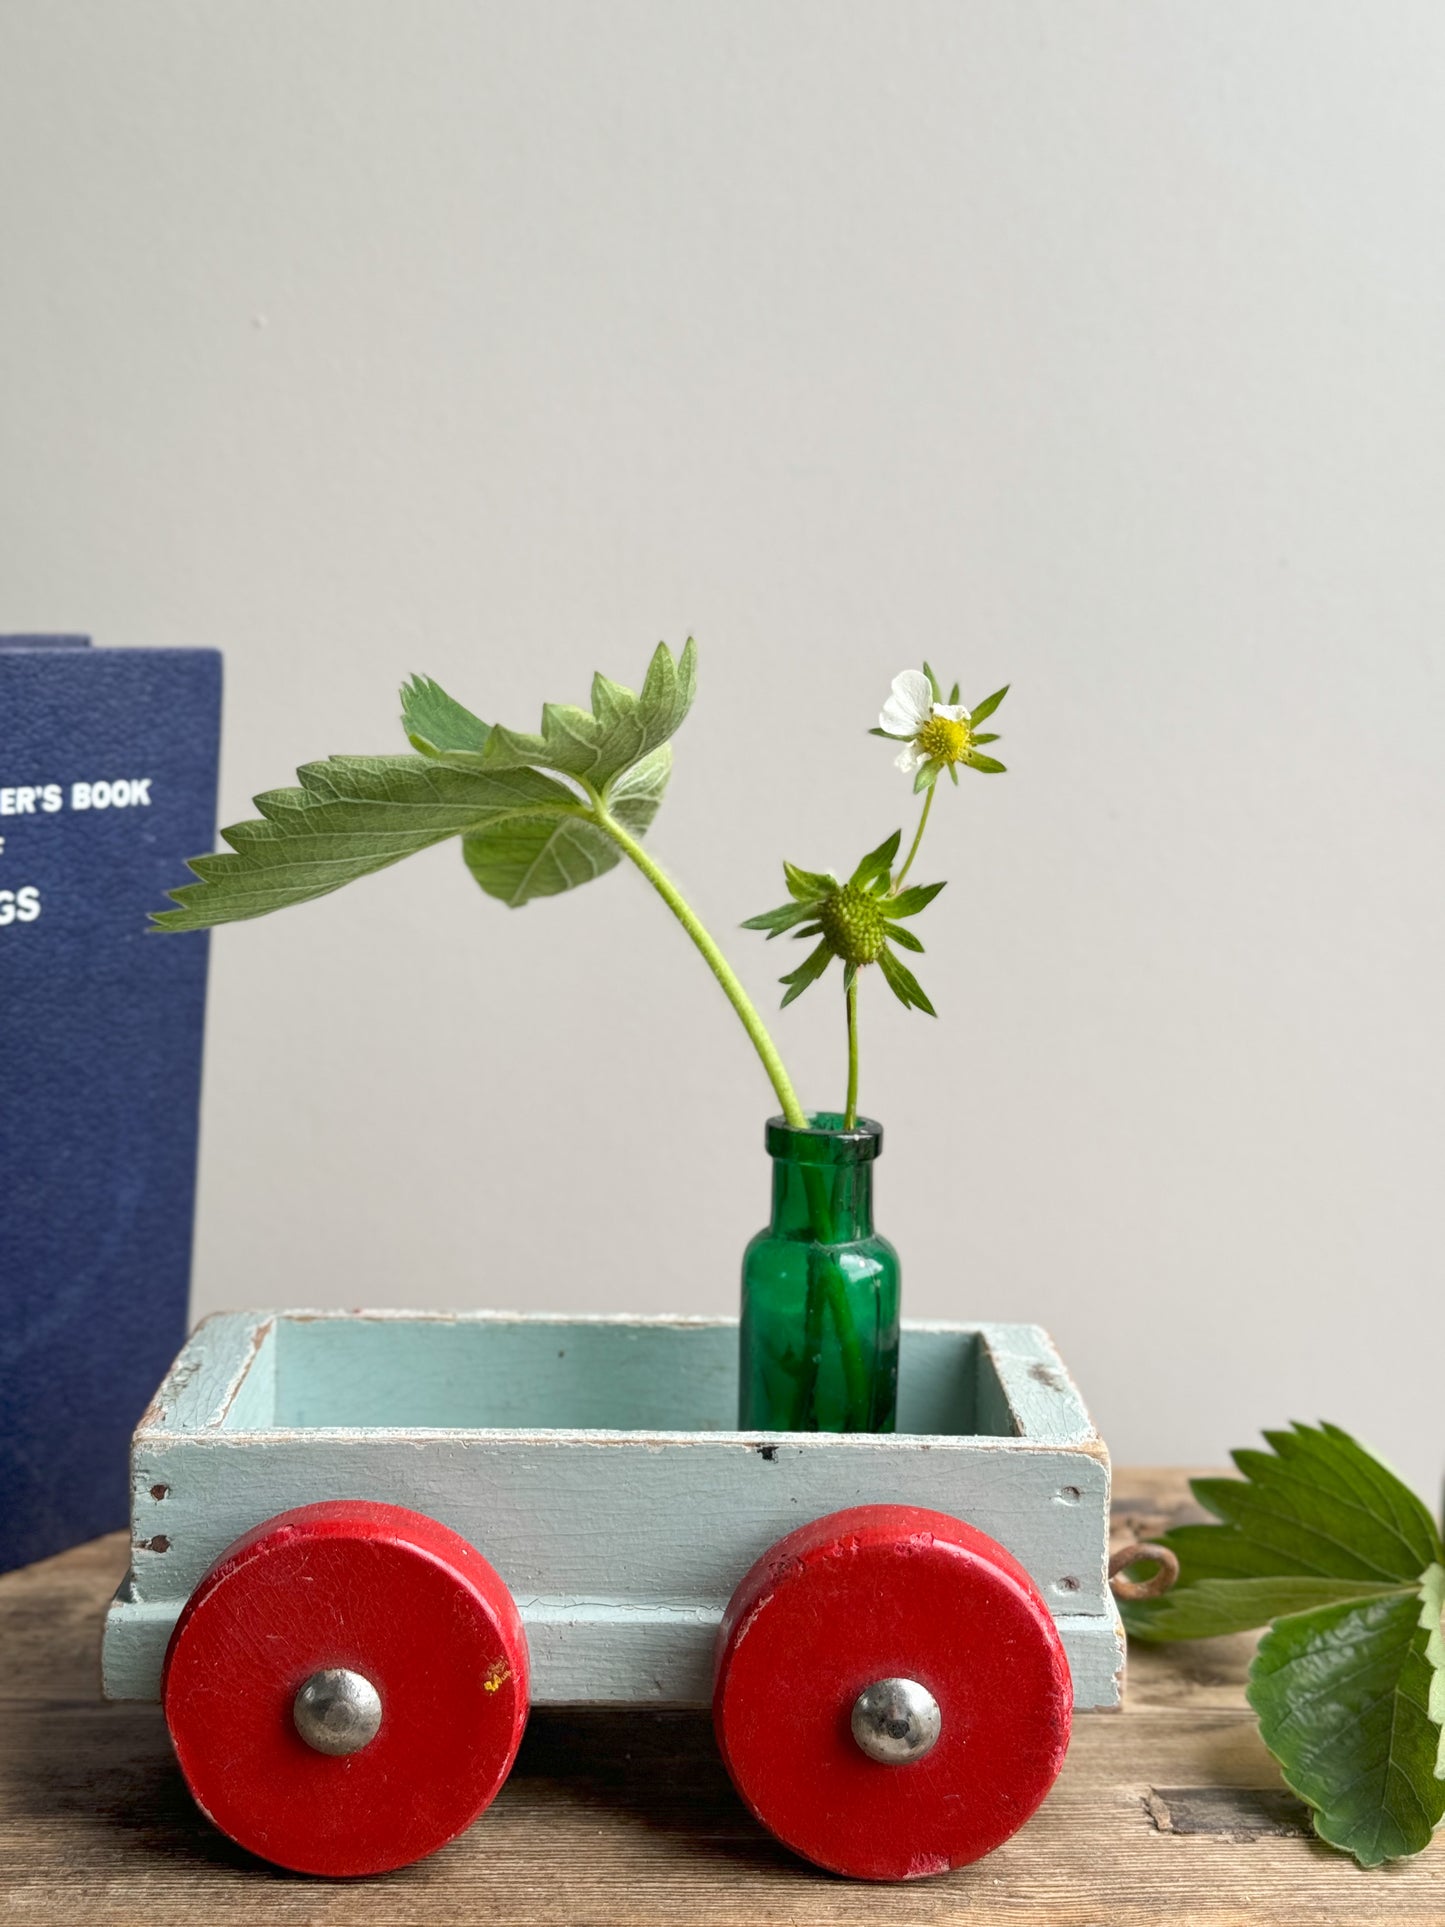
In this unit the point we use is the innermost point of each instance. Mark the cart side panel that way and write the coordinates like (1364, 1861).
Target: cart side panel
(676, 1519)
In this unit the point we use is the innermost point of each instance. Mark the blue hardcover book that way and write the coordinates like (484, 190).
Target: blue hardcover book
(107, 784)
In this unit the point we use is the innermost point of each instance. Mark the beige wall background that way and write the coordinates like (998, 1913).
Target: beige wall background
(1095, 347)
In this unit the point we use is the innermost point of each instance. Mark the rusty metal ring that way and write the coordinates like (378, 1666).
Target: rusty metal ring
(1159, 1581)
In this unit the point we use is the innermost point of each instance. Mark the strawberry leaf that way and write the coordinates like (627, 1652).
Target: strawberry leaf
(620, 729)
(524, 834)
(436, 724)
(1325, 1545)
(351, 815)
(1211, 1607)
(1344, 1696)
(1318, 1502)
(541, 856)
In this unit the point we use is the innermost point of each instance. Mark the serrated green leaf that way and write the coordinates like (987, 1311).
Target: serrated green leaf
(1219, 1552)
(902, 982)
(1343, 1696)
(1326, 1542)
(1211, 1607)
(1330, 1456)
(1339, 1517)
(352, 815)
(620, 729)
(916, 897)
(1320, 1503)
(985, 709)
(1321, 1507)
(436, 724)
(878, 863)
(541, 856)
(537, 857)
(1432, 1624)
(807, 972)
(1287, 1530)
(355, 814)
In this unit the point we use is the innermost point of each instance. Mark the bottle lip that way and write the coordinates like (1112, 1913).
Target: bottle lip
(823, 1140)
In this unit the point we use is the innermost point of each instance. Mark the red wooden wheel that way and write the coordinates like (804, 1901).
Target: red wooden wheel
(891, 1593)
(417, 1670)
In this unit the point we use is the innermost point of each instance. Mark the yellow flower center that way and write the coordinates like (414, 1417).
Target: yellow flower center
(944, 741)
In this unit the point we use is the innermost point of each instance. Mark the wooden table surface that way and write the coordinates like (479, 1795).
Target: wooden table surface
(1169, 1812)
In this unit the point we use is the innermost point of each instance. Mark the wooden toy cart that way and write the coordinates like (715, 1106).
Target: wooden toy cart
(364, 1543)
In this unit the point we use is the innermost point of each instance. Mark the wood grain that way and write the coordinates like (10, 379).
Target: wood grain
(1169, 1812)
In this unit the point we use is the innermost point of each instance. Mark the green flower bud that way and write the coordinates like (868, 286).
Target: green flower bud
(854, 923)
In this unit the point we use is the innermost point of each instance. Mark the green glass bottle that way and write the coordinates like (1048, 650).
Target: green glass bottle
(820, 1289)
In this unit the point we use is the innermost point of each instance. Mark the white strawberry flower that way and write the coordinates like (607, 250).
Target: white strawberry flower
(911, 712)
(909, 705)
(936, 735)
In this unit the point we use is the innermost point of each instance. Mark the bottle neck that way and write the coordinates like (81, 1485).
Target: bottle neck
(825, 1204)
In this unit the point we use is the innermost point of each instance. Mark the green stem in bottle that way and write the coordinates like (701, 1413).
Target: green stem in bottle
(850, 1114)
(855, 1372)
(815, 1306)
(827, 1291)
(827, 1288)
(716, 962)
(917, 839)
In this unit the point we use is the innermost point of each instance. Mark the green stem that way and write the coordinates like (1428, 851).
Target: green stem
(833, 1291)
(828, 1291)
(815, 1306)
(850, 1115)
(897, 884)
(716, 962)
(855, 1372)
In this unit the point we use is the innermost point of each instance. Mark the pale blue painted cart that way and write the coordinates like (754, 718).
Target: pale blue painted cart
(594, 1464)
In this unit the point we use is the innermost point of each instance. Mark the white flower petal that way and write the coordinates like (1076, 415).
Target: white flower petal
(907, 709)
(953, 712)
(909, 758)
